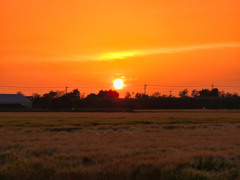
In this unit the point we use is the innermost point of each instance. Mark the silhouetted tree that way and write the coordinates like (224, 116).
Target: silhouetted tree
(91, 96)
(69, 100)
(60, 100)
(222, 94)
(164, 96)
(215, 92)
(50, 95)
(235, 95)
(127, 95)
(156, 94)
(204, 93)
(108, 94)
(194, 93)
(207, 93)
(36, 100)
(141, 95)
(76, 93)
(19, 92)
(183, 93)
(36, 95)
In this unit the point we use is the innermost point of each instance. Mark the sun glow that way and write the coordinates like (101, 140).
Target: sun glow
(118, 83)
(118, 55)
(164, 50)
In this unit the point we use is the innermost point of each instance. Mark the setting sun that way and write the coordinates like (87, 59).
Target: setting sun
(118, 83)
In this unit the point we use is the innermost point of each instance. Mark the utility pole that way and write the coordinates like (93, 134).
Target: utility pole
(170, 94)
(212, 86)
(66, 89)
(145, 88)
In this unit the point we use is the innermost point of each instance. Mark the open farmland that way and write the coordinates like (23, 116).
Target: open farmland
(177, 144)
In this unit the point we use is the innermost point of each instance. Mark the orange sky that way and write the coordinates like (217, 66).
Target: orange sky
(89, 43)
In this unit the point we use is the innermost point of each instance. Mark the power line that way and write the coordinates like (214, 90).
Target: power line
(175, 86)
(229, 86)
(89, 87)
(45, 87)
(27, 87)
(190, 86)
(133, 85)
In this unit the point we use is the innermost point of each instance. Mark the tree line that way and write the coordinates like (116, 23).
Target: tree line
(74, 100)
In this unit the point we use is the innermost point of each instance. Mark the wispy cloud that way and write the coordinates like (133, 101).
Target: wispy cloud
(126, 54)
(38, 55)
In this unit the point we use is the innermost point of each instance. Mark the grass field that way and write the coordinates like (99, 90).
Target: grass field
(177, 144)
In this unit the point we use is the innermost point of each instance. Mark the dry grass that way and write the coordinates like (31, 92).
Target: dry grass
(144, 145)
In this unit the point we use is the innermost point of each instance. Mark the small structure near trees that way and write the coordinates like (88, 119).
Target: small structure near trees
(14, 101)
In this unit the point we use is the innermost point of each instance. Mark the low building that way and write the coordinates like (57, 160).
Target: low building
(14, 101)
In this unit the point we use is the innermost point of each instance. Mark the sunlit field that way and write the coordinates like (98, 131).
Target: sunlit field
(176, 144)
